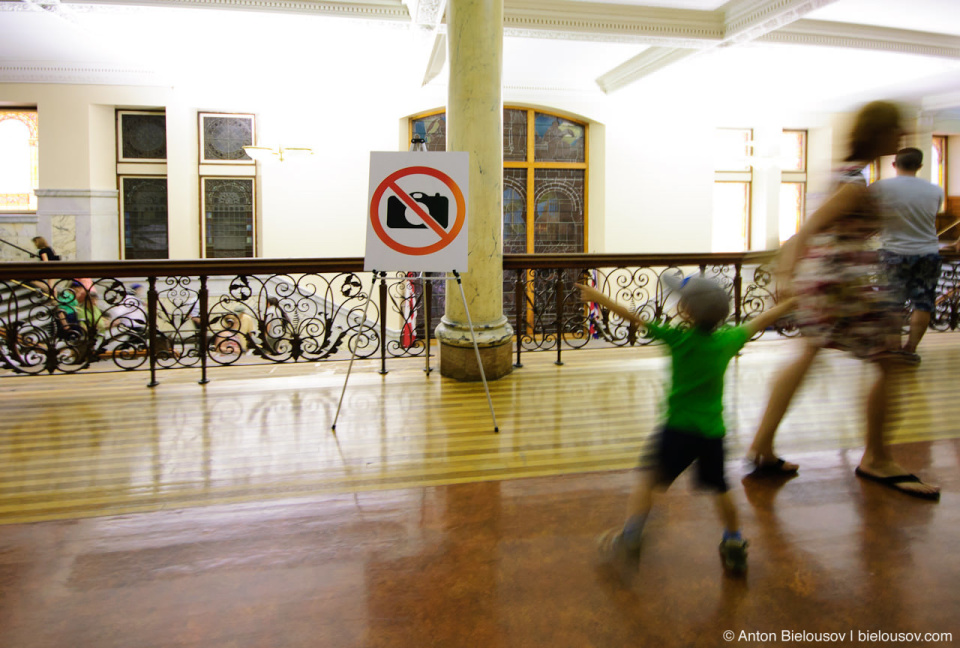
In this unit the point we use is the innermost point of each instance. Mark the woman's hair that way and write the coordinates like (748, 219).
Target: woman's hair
(873, 123)
(40, 242)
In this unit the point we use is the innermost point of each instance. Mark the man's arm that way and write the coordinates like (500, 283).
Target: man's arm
(767, 318)
(589, 294)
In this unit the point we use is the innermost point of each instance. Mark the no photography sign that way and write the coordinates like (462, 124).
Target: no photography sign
(417, 217)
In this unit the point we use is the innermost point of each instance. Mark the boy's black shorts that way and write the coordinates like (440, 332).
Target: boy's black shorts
(676, 450)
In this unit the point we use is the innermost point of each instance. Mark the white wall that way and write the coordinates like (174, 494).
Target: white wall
(651, 177)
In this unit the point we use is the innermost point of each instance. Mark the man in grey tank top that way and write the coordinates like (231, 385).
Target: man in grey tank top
(910, 248)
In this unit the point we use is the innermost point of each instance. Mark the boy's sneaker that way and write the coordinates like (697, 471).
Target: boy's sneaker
(733, 552)
(617, 552)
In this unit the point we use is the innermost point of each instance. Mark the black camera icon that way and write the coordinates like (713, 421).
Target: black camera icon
(436, 205)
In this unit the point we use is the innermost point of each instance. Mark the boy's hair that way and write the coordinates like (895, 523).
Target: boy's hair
(909, 159)
(704, 301)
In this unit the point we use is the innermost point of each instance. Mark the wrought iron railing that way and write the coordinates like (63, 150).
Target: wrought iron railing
(156, 315)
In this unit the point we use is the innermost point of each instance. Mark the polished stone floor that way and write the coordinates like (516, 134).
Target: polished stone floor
(498, 563)
(491, 553)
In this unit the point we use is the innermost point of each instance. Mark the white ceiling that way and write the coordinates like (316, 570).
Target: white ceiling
(816, 54)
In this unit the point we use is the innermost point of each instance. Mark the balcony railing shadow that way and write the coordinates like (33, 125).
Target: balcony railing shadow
(70, 317)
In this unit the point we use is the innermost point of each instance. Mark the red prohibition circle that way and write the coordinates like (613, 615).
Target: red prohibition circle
(408, 249)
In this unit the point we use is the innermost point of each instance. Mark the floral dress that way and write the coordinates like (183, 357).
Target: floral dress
(842, 302)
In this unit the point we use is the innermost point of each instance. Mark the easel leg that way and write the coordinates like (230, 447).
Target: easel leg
(353, 355)
(476, 348)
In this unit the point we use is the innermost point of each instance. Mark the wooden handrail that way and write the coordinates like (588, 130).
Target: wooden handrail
(263, 266)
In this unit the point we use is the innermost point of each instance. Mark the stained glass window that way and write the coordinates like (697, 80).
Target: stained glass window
(228, 217)
(222, 138)
(514, 211)
(514, 135)
(558, 139)
(433, 129)
(556, 173)
(144, 205)
(558, 222)
(19, 162)
(143, 136)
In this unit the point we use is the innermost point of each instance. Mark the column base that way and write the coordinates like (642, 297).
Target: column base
(460, 363)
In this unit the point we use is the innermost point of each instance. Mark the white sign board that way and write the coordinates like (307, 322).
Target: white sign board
(418, 212)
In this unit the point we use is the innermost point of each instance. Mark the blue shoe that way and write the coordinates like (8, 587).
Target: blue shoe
(733, 552)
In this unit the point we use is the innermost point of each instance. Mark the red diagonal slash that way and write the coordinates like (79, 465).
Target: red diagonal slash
(418, 208)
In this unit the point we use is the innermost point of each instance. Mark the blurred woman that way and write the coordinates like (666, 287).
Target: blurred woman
(833, 270)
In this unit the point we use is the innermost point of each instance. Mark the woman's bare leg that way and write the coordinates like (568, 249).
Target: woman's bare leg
(785, 385)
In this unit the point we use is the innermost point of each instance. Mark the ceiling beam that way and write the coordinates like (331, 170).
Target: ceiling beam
(740, 20)
(646, 62)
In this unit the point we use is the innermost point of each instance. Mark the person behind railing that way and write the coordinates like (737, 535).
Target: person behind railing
(843, 303)
(910, 249)
(78, 309)
(693, 428)
(44, 251)
(127, 320)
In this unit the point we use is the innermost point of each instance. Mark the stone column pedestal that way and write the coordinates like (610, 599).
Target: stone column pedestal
(458, 358)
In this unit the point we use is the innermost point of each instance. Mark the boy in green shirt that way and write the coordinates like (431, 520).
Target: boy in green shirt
(694, 428)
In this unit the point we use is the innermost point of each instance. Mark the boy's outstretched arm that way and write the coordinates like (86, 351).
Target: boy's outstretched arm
(767, 318)
(589, 294)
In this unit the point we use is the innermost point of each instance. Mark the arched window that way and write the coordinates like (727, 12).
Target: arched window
(19, 168)
(544, 174)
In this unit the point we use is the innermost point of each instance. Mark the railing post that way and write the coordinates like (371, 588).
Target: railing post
(383, 323)
(427, 302)
(737, 292)
(520, 306)
(204, 325)
(559, 291)
(152, 330)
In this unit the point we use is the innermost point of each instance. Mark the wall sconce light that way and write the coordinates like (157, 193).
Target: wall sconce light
(281, 153)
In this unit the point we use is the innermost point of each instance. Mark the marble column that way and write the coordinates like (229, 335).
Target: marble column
(475, 125)
(80, 224)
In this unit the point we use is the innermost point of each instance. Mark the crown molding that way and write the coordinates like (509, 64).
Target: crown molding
(747, 20)
(571, 19)
(92, 74)
(846, 35)
(386, 10)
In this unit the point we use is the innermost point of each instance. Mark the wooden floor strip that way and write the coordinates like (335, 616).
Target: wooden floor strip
(104, 444)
